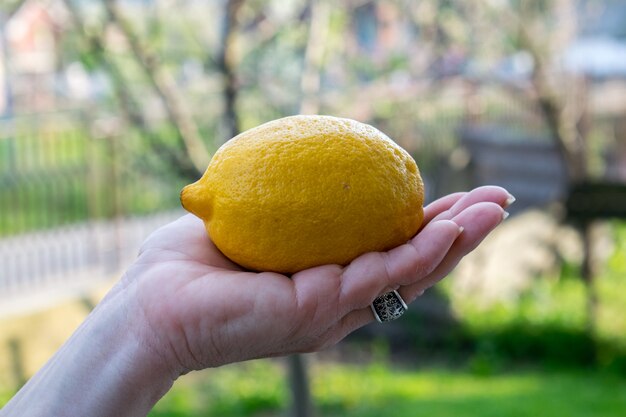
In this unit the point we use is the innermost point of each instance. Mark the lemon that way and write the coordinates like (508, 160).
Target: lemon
(303, 191)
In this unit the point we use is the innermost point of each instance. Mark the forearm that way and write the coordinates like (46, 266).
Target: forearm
(104, 369)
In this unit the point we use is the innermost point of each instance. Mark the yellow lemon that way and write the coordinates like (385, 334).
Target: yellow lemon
(304, 191)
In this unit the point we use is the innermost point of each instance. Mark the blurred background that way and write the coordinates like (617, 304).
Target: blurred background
(107, 108)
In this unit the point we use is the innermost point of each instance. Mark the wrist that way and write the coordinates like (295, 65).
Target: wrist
(107, 368)
(141, 376)
(124, 350)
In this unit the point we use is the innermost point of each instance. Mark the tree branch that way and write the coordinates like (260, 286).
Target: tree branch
(96, 46)
(563, 129)
(166, 88)
(313, 57)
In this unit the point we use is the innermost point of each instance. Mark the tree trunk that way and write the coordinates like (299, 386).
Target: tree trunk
(301, 405)
(227, 63)
(588, 275)
(17, 362)
(310, 82)
(310, 85)
(566, 116)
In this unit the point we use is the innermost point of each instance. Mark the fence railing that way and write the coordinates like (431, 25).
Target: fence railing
(40, 268)
(73, 209)
(55, 171)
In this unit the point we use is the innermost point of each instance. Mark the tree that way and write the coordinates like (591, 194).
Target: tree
(543, 29)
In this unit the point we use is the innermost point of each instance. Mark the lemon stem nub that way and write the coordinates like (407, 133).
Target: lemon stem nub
(195, 201)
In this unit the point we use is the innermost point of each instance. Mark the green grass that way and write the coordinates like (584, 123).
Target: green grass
(258, 389)
(443, 393)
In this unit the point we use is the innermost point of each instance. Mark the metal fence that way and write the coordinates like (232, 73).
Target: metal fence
(73, 208)
(59, 169)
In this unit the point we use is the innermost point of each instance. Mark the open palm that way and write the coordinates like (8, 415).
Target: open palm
(203, 310)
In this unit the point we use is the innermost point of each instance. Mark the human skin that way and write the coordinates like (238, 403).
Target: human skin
(183, 306)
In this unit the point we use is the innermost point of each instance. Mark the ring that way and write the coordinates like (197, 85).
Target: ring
(388, 306)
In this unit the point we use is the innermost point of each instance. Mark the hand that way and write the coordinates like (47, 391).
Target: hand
(197, 309)
(182, 305)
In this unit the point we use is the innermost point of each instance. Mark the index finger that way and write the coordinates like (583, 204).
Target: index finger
(449, 206)
(440, 205)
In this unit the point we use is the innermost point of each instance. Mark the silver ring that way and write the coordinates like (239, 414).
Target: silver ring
(388, 306)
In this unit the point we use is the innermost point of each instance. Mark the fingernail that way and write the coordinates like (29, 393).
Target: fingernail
(505, 214)
(459, 228)
(509, 201)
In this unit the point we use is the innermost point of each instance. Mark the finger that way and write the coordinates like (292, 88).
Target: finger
(477, 221)
(426, 256)
(421, 255)
(368, 275)
(440, 205)
(456, 203)
(489, 193)
(349, 323)
(317, 292)
(325, 294)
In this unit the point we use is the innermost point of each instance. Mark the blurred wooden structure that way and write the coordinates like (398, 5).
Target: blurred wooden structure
(531, 168)
(591, 201)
